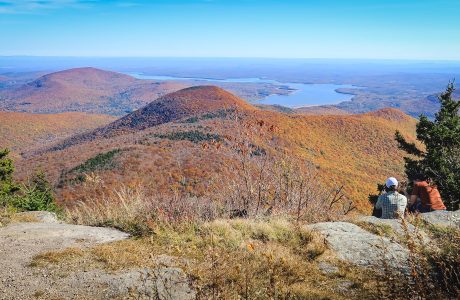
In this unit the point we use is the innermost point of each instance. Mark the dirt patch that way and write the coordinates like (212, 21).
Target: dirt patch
(20, 242)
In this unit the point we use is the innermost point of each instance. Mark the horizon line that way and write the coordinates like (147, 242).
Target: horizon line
(235, 57)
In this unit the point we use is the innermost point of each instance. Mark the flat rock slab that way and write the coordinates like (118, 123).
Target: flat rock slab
(20, 242)
(397, 228)
(355, 245)
(442, 218)
(61, 234)
(395, 225)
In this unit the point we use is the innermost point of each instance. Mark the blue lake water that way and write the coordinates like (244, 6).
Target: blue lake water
(302, 94)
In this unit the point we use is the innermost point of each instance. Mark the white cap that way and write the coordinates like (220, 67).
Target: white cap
(391, 181)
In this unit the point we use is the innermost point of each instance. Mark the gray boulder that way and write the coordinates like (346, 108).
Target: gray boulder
(171, 282)
(442, 218)
(355, 245)
(392, 225)
(393, 228)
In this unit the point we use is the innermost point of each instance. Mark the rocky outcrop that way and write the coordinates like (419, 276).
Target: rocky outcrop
(58, 235)
(355, 245)
(20, 242)
(171, 282)
(394, 228)
(442, 218)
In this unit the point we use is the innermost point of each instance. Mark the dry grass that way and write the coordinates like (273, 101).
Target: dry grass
(262, 186)
(378, 229)
(230, 259)
(53, 257)
(5, 215)
(10, 215)
(131, 210)
(434, 266)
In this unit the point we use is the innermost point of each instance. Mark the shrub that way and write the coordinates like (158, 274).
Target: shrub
(434, 267)
(193, 136)
(132, 211)
(102, 161)
(36, 195)
(221, 113)
(7, 185)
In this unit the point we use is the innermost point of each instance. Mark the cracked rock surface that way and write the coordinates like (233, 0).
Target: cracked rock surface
(355, 245)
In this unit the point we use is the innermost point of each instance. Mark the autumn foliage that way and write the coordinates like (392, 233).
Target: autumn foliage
(351, 152)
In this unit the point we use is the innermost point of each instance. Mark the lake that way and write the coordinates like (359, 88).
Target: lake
(303, 94)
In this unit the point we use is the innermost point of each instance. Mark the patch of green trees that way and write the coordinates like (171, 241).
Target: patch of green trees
(36, 194)
(440, 157)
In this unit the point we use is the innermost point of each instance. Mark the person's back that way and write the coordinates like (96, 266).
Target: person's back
(429, 195)
(392, 203)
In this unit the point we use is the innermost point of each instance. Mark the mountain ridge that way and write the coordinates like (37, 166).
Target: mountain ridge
(350, 150)
(84, 90)
(174, 106)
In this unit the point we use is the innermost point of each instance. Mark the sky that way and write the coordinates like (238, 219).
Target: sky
(358, 29)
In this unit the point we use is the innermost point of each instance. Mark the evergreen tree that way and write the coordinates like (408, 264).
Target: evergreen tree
(7, 185)
(36, 195)
(441, 158)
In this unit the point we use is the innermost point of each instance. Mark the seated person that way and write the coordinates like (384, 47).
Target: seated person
(392, 203)
(428, 193)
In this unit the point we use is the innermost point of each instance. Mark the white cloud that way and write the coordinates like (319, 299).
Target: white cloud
(30, 6)
(39, 6)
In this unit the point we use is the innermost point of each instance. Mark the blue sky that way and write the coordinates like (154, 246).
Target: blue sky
(368, 29)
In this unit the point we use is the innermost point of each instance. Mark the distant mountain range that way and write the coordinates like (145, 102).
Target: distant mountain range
(98, 91)
(104, 92)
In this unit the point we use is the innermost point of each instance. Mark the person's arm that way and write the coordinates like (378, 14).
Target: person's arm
(404, 203)
(402, 207)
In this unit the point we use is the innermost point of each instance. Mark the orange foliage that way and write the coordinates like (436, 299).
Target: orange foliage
(355, 151)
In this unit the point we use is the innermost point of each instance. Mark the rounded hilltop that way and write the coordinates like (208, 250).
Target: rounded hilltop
(73, 80)
(89, 75)
(391, 114)
(183, 103)
(85, 89)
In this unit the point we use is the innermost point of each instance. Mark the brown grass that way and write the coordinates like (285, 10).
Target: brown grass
(434, 266)
(230, 259)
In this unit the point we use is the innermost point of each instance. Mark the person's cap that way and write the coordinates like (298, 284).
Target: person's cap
(391, 181)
